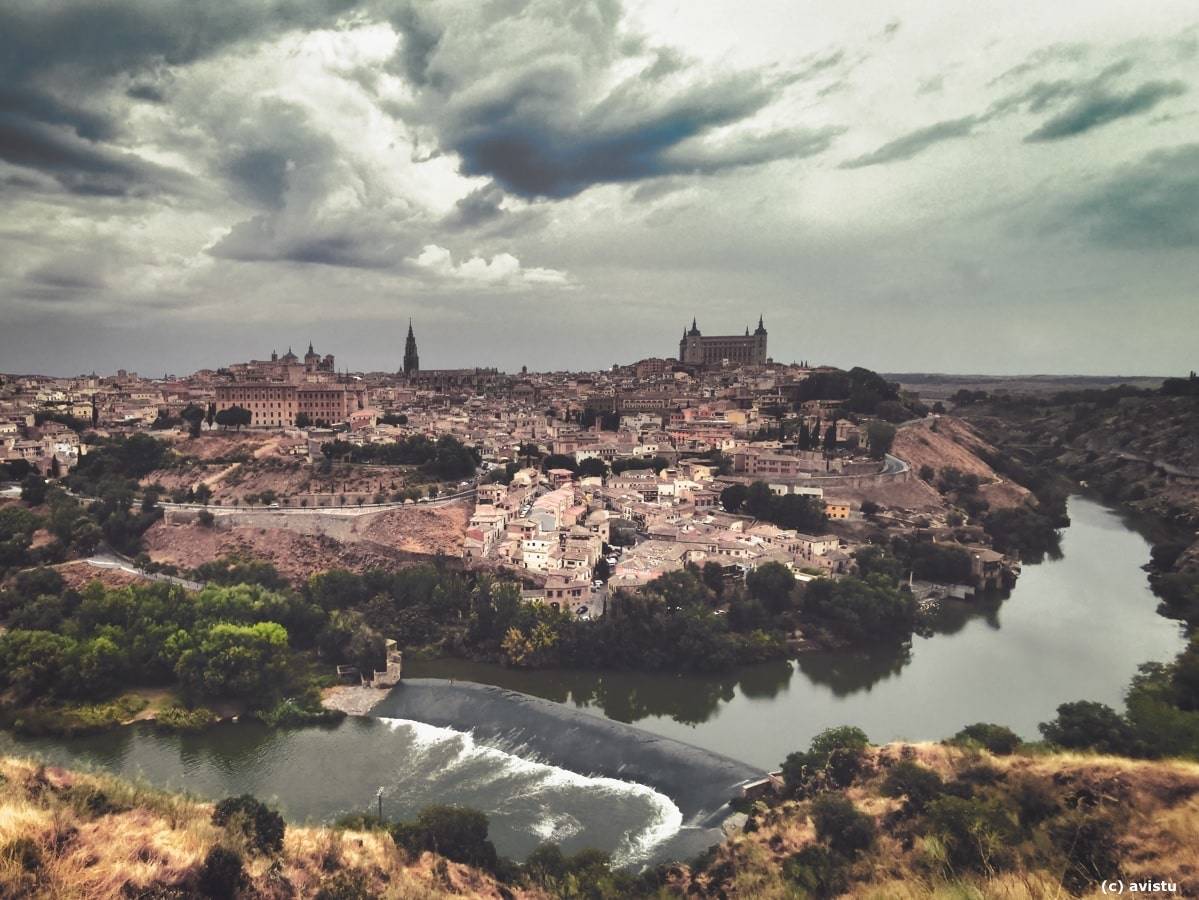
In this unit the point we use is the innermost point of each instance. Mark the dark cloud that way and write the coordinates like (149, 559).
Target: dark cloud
(151, 93)
(268, 142)
(89, 46)
(479, 207)
(1092, 103)
(363, 239)
(1100, 107)
(78, 165)
(421, 37)
(528, 142)
(65, 279)
(1153, 203)
(545, 122)
(915, 142)
(110, 38)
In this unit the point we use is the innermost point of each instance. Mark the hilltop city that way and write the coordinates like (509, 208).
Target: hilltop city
(580, 483)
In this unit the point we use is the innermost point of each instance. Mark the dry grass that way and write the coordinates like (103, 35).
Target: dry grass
(54, 843)
(1157, 802)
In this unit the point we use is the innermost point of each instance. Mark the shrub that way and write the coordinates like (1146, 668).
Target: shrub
(179, 718)
(23, 852)
(840, 825)
(800, 767)
(817, 871)
(89, 801)
(976, 834)
(919, 785)
(261, 826)
(999, 739)
(1086, 724)
(222, 874)
(1035, 801)
(1091, 847)
(345, 886)
(455, 832)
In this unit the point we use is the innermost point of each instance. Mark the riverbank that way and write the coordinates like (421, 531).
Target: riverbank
(352, 699)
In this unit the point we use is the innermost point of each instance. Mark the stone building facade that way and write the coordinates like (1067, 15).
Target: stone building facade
(740, 350)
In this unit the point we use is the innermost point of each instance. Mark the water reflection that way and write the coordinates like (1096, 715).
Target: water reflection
(846, 673)
(623, 696)
(954, 615)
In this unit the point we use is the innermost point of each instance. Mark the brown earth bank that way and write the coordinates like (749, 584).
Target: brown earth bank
(943, 442)
(386, 540)
(287, 477)
(78, 574)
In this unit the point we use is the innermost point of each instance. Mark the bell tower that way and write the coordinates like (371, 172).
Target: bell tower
(411, 359)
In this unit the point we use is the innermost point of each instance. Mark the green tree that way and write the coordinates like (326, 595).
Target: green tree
(999, 739)
(33, 489)
(1086, 724)
(879, 438)
(801, 767)
(733, 496)
(759, 500)
(194, 416)
(247, 661)
(592, 467)
(234, 416)
(37, 664)
(773, 585)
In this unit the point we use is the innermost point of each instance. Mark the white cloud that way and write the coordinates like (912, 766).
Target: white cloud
(501, 269)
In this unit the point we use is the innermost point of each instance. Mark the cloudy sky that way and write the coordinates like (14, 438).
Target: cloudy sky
(912, 186)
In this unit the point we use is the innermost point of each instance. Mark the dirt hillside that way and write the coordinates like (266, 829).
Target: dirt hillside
(955, 444)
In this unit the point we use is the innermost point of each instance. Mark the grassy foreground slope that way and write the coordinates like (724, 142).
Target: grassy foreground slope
(898, 821)
(69, 835)
(931, 820)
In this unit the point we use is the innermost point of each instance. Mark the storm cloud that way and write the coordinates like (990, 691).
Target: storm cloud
(560, 183)
(549, 122)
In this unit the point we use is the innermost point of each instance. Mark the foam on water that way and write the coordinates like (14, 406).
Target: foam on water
(533, 778)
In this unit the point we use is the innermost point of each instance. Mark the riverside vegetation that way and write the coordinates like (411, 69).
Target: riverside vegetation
(73, 660)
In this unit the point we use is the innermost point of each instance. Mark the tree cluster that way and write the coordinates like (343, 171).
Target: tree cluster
(446, 458)
(799, 512)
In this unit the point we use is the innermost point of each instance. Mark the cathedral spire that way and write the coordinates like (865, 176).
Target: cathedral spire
(411, 358)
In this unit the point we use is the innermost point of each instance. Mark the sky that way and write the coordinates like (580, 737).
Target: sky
(991, 187)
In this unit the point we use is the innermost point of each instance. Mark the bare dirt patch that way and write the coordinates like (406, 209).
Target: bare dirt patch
(440, 529)
(957, 445)
(394, 539)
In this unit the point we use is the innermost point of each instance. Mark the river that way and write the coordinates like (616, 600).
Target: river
(1075, 627)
